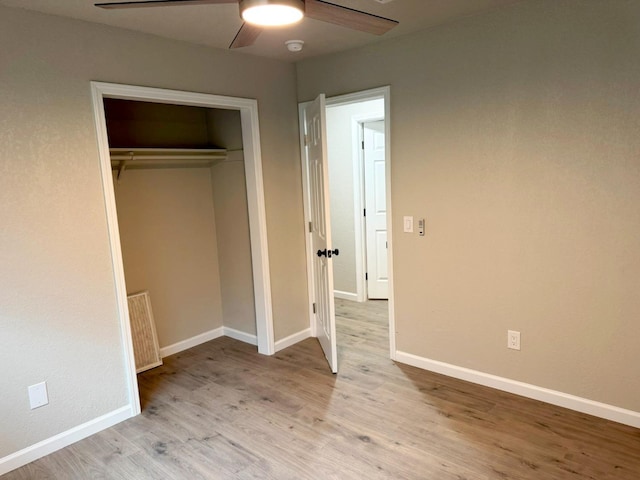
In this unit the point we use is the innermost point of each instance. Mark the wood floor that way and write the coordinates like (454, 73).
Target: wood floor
(221, 411)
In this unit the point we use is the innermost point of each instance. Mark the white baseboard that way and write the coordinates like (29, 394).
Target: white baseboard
(238, 335)
(64, 439)
(207, 336)
(345, 295)
(293, 339)
(572, 402)
(192, 342)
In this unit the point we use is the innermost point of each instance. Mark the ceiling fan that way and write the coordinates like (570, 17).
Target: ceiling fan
(260, 14)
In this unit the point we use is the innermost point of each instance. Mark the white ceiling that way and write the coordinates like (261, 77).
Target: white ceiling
(216, 25)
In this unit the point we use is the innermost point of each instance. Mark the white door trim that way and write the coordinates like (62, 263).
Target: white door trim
(372, 94)
(373, 288)
(255, 199)
(357, 123)
(307, 218)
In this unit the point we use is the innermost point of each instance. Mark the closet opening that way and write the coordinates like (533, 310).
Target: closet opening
(185, 207)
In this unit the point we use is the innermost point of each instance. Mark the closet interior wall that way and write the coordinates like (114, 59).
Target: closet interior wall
(184, 232)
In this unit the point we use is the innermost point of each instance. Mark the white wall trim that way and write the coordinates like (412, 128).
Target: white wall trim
(293, 339)
(208, 336)
(346, 295)
(572, 402)
(355, 97)
(241, 336)
(98, 92)
(191, 342)
(359, 186)
(52, 444)
(359, 226)
(248, 109)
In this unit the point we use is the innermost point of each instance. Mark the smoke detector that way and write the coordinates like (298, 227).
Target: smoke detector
(294, 45)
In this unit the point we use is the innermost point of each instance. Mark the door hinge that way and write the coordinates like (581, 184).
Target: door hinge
(363, 144)
(366, 276)
(306, 140)
(314, 308)
(310, 227)
(364, 212)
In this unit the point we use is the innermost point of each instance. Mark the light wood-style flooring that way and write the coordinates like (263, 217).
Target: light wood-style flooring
(221, 411)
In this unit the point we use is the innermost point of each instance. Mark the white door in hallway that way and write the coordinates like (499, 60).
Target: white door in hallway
(376, 210)
(320, 231)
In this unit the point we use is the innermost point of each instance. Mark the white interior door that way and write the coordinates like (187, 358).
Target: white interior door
(376, 210)
(320, 229)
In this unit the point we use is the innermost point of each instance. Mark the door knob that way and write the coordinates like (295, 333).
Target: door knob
(328, 253)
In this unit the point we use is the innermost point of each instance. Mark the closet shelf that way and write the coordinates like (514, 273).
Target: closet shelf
(139, 158)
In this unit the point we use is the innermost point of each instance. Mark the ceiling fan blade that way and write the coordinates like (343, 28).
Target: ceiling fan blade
(246, 36)
(160, 3)
(348, 17)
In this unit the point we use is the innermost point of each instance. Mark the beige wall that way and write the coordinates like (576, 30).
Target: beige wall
(169, 247)
(232, 221)
(515, 134)
(224, 128)
(234, 246)
(342, 189)
(58, 313)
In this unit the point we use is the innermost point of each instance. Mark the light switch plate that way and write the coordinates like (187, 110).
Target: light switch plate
(408, 224)
(38, 395)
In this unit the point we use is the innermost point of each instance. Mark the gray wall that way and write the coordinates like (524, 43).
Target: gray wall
(515, 134)
(234, 246)
(169, 247)
(232, 222)
(58, 313)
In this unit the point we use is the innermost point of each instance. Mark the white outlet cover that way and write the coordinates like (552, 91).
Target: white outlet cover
(38, 395)
(513, 340)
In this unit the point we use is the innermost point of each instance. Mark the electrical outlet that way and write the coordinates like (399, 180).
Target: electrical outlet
(513, 340)
(38, 395)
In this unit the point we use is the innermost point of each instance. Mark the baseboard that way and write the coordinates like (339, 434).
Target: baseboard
(293, 339)
(207, 336)
(64, 439)
(192, 342)
(345, 295)
(572, 402)
(238, 335)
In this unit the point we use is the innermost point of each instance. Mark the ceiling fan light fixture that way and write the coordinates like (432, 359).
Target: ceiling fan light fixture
(271, 13)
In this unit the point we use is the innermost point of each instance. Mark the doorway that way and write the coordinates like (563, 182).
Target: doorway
(255, 201)
(357, 188)
(356, 217)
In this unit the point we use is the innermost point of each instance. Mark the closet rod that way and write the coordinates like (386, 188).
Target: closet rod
(135, 157)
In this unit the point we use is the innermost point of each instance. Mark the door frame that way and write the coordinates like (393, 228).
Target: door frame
(350, 98)
(362, 249)
(255, 201)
